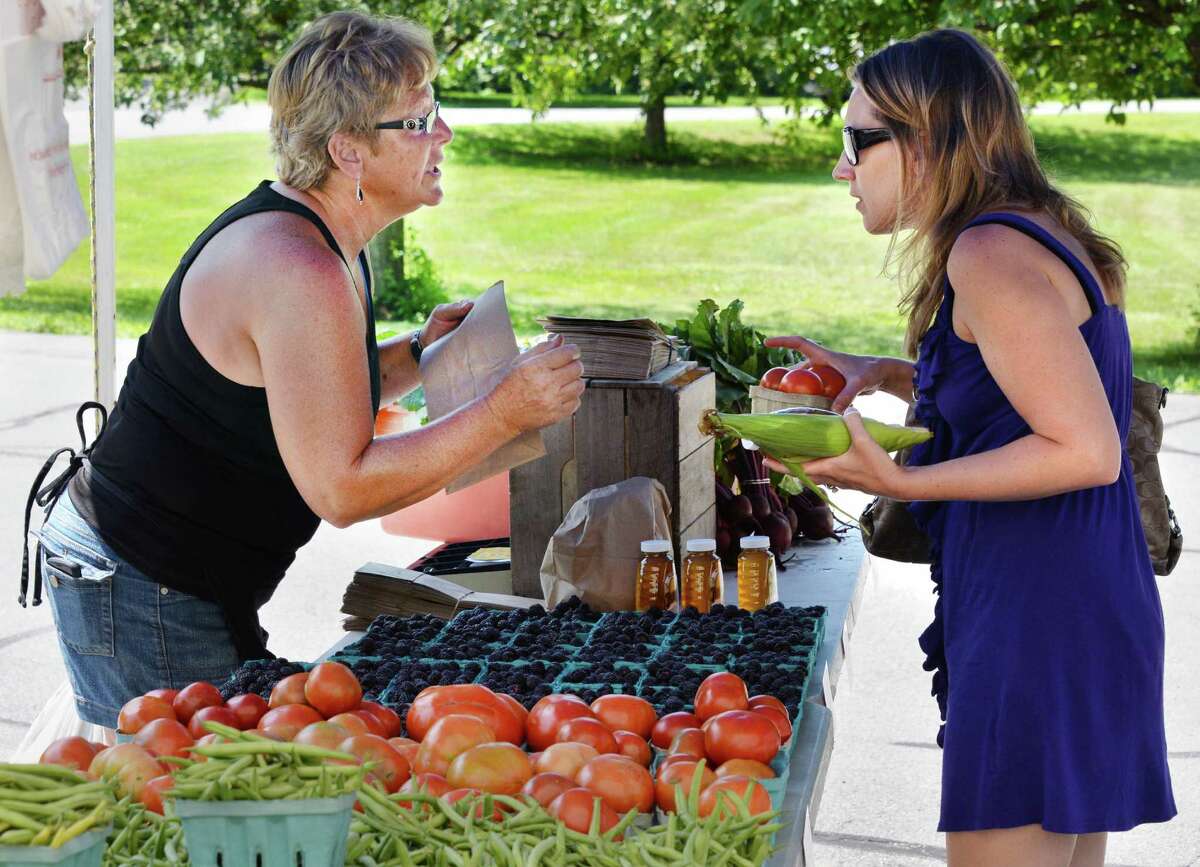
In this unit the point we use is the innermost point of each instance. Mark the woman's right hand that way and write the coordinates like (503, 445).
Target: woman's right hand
(864, 373)
(543, 386)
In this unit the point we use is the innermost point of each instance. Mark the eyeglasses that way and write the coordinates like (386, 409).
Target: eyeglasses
(416, 124)
(855, 141)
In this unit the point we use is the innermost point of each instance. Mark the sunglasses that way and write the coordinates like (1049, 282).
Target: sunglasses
(416, 124)
(855, 141)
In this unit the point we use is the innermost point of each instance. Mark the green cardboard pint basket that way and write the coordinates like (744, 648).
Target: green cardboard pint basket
(86, 850)
(300, 833)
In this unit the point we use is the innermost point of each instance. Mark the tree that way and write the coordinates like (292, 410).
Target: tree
(1118, 50)
(543, 50)
(655, 48)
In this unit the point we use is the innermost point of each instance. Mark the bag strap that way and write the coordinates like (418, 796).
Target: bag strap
(1027, 227)
(47, 496)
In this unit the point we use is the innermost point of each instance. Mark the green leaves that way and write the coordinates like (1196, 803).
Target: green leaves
(734, 351)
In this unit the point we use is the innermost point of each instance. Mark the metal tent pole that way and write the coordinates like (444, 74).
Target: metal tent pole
(103, 206)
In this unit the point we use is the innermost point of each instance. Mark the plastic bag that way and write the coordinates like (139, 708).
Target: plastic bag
(59, 719)
(595, 551)
(67, 20)
(36, 134)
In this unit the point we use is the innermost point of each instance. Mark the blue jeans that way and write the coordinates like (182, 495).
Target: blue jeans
(122, 633)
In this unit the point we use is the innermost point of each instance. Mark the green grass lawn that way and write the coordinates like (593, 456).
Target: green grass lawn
(575, 222)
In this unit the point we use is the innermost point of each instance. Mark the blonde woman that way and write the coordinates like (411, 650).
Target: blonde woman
(1047, 642)
(247, 416)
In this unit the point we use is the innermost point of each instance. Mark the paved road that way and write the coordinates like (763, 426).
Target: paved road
(880, 801)
(254, 117)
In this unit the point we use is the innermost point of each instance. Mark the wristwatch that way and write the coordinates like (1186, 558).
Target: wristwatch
(415, 347)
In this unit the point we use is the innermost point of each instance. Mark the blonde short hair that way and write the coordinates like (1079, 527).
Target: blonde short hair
(341, 75)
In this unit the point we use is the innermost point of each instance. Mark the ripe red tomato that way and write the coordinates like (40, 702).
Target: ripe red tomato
(450, 736)
(165, 737)
(741, 734)
(289, 719)
(332, 688)
(494, 715)
(772, 377)
(390, 768)
(152, 792)
(674, 759)
(622, 783)
(564, 758)
(374, 724)
(428, 784)
(586, 730)
(720, 692)
(719, 796)
(575, 808)
(475, 796)
(322, 734)
(801, 381)
(782, 724)
(406, 747)
(210, 738)
(633, 747)
(193, 697)
(139, 711)
(167, 695)
(689, 742)
(665, 729)
(351, 722)
(499, 768)
(216, 713)
(75, 753)
(249, 709)
(518, 709)
(626, 713)
(434, 702)
(746, 768)
(772, 701)
(548, 716)
(544, 788)
(290, 690)
(680, 774)
(388, 717)
(831, 379)
(131, 765)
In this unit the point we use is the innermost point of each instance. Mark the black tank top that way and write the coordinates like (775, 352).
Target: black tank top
(187, 483)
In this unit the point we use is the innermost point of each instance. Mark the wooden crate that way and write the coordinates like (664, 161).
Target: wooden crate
(622, 429)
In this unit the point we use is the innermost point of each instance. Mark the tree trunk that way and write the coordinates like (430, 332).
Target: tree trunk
(656, 126)
(387, 254)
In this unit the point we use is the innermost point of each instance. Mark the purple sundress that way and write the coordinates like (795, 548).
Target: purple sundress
(1047, 639)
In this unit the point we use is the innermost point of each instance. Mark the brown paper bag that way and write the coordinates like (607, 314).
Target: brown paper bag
(595, 551)
(468, 363)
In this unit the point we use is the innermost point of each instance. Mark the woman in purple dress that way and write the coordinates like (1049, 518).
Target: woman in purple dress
(1047, 640)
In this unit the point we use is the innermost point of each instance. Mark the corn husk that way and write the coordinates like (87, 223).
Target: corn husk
(794, 439)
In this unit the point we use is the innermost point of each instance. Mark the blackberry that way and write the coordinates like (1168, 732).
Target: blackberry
(258, 676)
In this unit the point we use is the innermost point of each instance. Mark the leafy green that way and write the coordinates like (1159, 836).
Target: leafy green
(719, 340)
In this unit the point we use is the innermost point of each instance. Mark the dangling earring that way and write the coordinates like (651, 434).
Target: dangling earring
(358, 190)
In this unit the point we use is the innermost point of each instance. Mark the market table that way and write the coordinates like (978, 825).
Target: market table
(824, 573)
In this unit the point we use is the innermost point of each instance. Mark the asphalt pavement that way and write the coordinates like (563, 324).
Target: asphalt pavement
(880, 800)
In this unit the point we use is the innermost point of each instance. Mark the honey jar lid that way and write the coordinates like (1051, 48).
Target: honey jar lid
(656, 546)
(702, 545)
(756, 542)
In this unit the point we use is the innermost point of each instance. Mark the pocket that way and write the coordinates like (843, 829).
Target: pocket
(80, 589)
(196, 638)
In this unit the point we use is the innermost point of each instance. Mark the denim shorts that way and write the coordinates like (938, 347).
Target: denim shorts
(122, 633)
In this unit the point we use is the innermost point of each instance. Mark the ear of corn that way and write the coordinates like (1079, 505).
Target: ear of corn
(800, 438)
(793, 439)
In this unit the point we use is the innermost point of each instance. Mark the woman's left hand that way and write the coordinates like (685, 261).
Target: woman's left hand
(864, 467)
(444, 319)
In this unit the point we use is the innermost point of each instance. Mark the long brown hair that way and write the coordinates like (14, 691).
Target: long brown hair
(948, 99)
